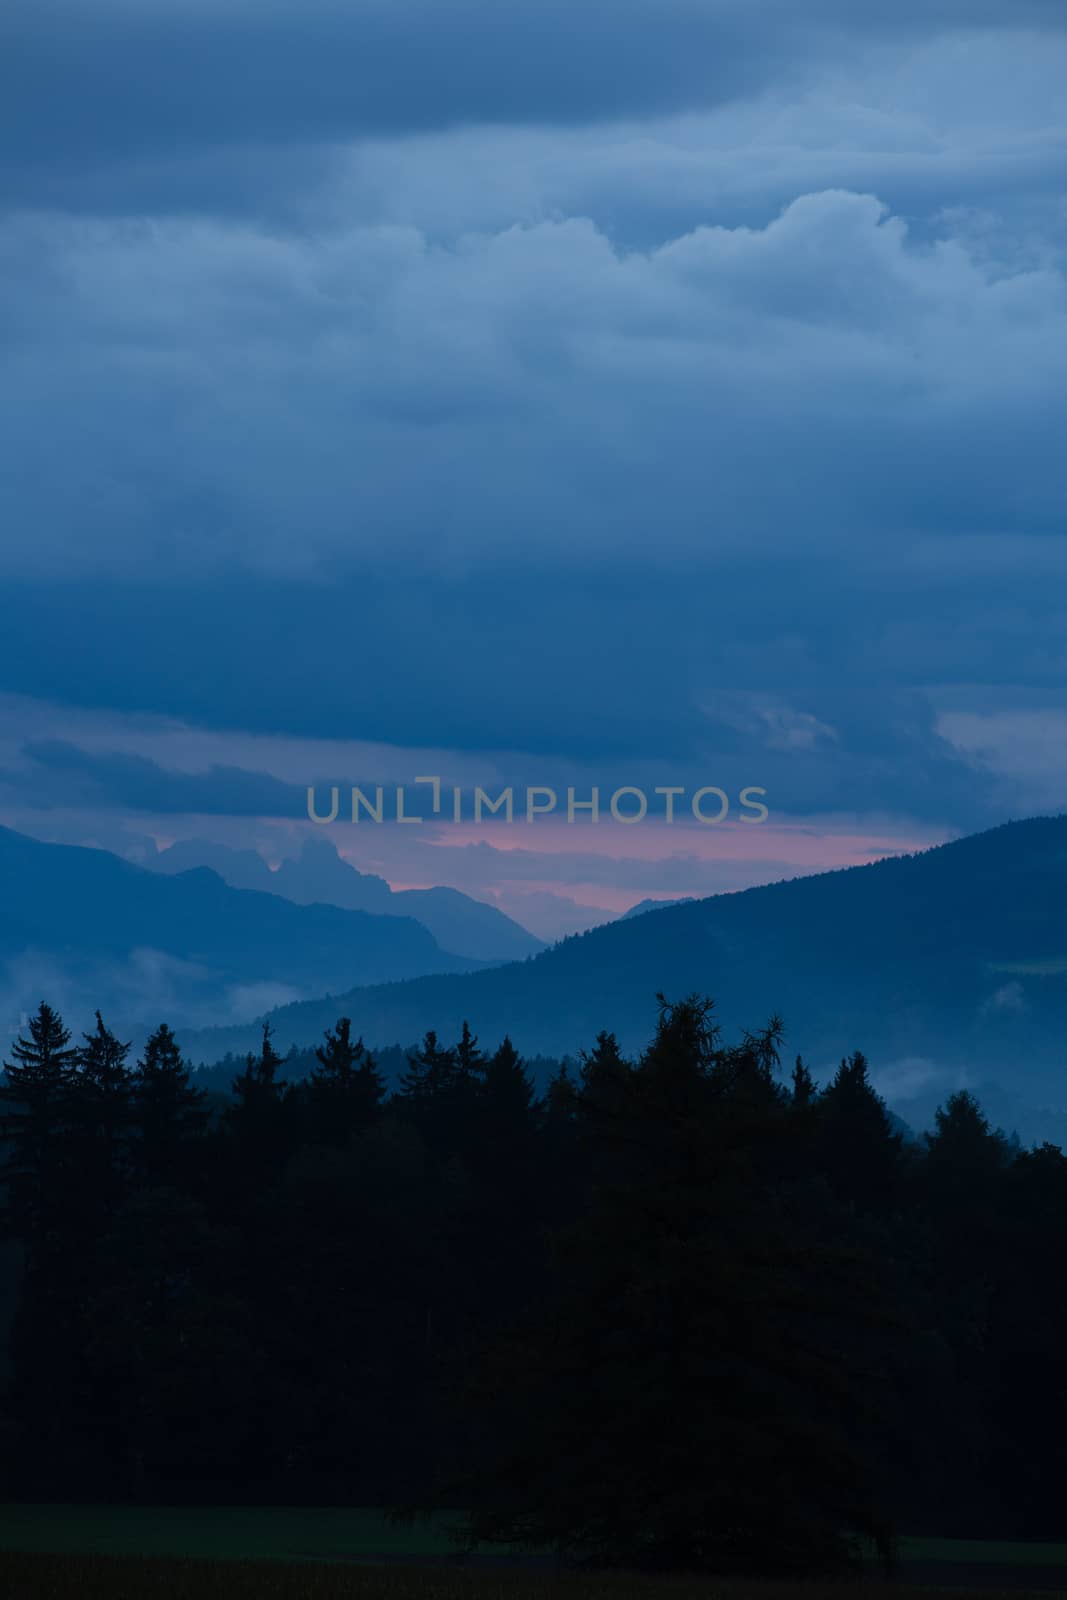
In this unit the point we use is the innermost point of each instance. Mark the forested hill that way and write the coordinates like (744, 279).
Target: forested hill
(91, 929)
(673, 1313)
(956, 954)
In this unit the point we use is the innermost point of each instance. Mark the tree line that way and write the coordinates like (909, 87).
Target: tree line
(686, 1310)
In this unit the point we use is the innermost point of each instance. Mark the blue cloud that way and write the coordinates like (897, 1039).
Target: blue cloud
(498, 379)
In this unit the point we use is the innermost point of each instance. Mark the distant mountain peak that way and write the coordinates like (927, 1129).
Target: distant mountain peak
(85, 928)
(319, 874)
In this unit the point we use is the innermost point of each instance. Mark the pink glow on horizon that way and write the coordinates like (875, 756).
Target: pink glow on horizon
(812, 848)
(749, 855)
(592, 896)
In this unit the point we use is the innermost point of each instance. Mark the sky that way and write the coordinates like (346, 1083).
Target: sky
(533, 394)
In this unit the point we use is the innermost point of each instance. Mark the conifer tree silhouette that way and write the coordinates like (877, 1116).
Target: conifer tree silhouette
(345, 1088)
(35, 1101)
(861, 1152)
(101, 1096)
(168, 1113)
(804, 1090)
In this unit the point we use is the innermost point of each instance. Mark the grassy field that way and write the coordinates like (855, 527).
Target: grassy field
(1001, 1552)
(130, 1578)
(199, 1553)
(222, 1532)
(64, 1577)
(302, 1533)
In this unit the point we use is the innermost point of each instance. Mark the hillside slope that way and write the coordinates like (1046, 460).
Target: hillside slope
(956, 956)
(84, 928)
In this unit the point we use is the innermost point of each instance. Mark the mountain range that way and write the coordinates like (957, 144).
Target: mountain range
(944, 966)
(460, 924)
(84, 928)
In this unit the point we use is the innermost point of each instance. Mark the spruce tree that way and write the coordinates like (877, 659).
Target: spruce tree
(964, 1144)
(430, 1072)
(681, 1400)
(509, 1178)
(1027, 1336)
(561, 1135)
(964, 1186)
(603, 1076)
(40, 1070)
(561, 1097)
(257, 1120)
(59, 1197)
(345, 1090)
(437, 1094)
(804, 1090)
(505, 1124)
(258, 1091)
(470, 1060)
(168, 1114)
(963, 1181)
(862, 1155)
(101, 1095)
(507, 1088)
(35, 1102)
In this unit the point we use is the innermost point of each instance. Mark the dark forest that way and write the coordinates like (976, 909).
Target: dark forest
(685, 1311)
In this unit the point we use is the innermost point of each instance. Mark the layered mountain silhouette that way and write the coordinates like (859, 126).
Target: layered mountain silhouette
(948, 963)
(83, 928)
(459, 923)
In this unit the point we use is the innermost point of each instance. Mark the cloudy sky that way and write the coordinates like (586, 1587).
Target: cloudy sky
(534, 393)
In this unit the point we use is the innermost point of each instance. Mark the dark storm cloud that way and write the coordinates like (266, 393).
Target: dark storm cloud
(118, 81)
(533, 493)
(221, 396)
(607, 679)
(64, 775)
(533, 423)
